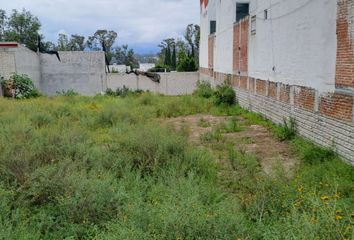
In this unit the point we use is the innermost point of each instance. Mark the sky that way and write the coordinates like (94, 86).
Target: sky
(141, 24)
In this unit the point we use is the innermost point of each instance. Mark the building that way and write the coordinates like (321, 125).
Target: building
(286, 59)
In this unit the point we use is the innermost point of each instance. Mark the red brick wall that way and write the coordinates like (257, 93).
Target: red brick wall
(261, 87)
(252, 84)
(272, 90)
(305, 98)
(243, 82)
(337, 106)
(345, 53)
(211, 41)
(284, 93)
(240, 46)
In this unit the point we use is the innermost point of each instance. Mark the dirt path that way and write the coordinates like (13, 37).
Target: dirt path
(249, 139)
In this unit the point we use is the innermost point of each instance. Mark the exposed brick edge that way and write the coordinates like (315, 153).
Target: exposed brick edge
(339, 106)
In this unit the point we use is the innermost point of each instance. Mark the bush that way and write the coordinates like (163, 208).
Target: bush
(204, 90)
(187, 64)
(19, 87)
(287, 131)
(160, 68)
(225, 95)
(67, 93)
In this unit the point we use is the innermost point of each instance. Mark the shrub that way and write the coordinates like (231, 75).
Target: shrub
(187, 64)
(224, 94)
(204, 90)
(67, 93)
(160, 68)
(20, 87)
(287, 131)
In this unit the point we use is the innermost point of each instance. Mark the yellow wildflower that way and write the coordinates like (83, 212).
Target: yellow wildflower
(324, 198)
(339, 217)
(352, 215)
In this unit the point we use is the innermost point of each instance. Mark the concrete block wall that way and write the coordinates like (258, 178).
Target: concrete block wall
(83, 72)
(15, 58)
(172, 84)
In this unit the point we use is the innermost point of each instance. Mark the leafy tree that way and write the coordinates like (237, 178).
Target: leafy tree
(126, 56)
(22, 27)
(192, 36)
(48, 46)
(102, 36)
(2, 24)
(174, 58)
(63, 42)
(77, 43)
(166, 51)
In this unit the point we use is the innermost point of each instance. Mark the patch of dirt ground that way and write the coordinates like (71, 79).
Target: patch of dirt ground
(250, 139)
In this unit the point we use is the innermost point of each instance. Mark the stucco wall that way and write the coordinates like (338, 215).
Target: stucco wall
(171, 84)
(84, 72)
(20, 60)
(223, 53)
(298, 39)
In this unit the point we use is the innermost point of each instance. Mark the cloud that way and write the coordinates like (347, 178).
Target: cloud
(138, 22)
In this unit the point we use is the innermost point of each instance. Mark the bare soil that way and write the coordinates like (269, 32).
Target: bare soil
(252, 139)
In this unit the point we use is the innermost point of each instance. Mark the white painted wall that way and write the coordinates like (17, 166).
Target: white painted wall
(299, 40)
(225, 18)
(207, 14)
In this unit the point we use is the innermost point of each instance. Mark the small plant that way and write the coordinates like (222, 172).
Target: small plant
(67, 93)
(203, 123)
(233, 126)
(204, 90)
(19, 87)
(288, 130)
(224, 94)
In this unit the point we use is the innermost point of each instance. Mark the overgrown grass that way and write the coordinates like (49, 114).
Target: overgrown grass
(76, 167)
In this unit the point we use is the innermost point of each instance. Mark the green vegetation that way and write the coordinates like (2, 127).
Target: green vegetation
(19, 87)
(76, 167)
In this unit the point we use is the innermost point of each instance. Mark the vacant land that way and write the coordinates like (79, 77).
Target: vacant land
(153, 167)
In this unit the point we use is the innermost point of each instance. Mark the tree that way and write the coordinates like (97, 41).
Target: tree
(126, 56)
(77, 43)
(2, 24)
(102, 36)
(174, 58)
(23, 27)
(192, 36)
(166, 51)
(63, 42)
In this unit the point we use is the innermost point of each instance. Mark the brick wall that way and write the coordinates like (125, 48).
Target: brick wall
(284, 93)
(304, 98)
(240, 46)
(324, 127)
(261, 87)
(338, 106)
(345, 44)
(211, 42)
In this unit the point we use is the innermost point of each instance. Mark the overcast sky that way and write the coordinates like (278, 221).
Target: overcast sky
(140, 23)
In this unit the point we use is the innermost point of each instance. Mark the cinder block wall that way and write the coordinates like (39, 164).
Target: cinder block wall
(83, 72)
(172, 84)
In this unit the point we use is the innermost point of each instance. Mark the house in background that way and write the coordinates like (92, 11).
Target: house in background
(286, 59)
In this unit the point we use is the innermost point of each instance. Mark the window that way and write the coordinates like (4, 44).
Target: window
(266, 14)
(212, 27)
(242, 11)
(253, 24)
